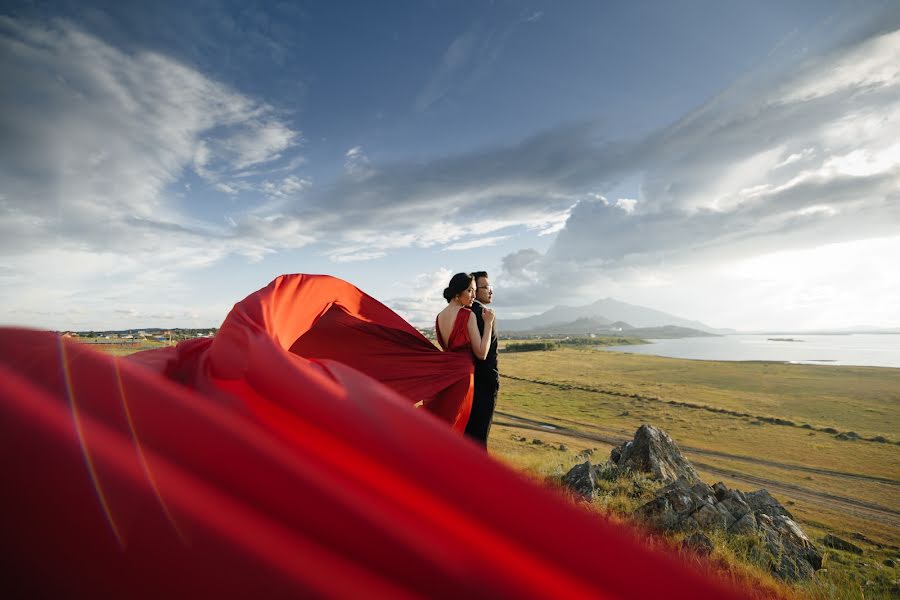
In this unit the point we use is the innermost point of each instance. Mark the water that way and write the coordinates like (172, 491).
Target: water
(876, 350)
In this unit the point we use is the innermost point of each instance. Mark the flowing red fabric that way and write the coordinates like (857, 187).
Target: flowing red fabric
(235, 467)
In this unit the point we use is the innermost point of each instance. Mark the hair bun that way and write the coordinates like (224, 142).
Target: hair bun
(448, 294)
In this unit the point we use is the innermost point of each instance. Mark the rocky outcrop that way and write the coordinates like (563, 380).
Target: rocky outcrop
(688, 504)
(653, 451)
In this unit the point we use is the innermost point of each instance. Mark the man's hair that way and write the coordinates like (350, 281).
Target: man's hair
(479, 274)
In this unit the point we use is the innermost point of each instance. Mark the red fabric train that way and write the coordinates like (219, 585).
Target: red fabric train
(284, 458)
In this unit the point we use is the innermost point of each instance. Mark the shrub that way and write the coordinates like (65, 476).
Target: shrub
(531, 346)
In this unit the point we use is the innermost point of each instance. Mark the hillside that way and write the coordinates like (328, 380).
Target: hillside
(785, 428)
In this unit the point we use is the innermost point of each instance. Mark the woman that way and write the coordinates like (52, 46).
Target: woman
(457, 323)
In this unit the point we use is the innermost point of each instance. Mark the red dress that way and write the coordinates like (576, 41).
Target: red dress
(447, 406)
(245, 466)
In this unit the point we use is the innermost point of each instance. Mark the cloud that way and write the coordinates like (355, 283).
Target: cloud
(357, 165)
(96, 144)
(455, 59)
(477, 243)
(790, 164)
(94, 137)
(810, 158)
(468, 58)
(426, 298)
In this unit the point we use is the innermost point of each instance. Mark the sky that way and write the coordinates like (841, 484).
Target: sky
(732, 162)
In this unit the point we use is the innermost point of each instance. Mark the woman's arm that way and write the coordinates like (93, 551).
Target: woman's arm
(481, 343)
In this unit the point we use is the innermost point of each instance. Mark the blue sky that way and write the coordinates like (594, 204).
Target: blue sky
(730, 162)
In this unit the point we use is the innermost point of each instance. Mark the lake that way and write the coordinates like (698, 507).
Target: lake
(876, 350)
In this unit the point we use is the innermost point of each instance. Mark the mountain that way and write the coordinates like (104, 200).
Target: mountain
(588, 326)
(603, 312)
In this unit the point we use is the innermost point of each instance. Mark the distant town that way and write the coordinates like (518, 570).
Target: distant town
(136, 336)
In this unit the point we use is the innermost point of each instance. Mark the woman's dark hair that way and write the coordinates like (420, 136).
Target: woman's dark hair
(458, 284)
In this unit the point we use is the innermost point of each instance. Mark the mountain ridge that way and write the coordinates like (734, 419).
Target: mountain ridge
(606, 311)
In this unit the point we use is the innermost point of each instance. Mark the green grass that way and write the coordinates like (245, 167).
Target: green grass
(125, 349)
(738, 559)
(860, 399)
(610, 394)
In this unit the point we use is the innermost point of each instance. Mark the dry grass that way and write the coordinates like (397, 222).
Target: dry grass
(738, 560)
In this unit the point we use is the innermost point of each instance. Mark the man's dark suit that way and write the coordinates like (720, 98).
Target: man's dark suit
(487, 383)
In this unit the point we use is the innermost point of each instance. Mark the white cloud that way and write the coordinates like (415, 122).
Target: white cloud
(477, 243)
(752, 173)
(871, 64)
(96, 139)
(626, 204)
(357, 164)
(425, 299)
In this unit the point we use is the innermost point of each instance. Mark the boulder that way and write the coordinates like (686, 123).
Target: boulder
(707, 518)
(735, 503)
(720, 490)
(653, 451)
(796, 557)
(581, 480)
(688, 504)
(761, 501)
(746, 525)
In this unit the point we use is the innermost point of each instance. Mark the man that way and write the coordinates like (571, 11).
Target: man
(487, 377)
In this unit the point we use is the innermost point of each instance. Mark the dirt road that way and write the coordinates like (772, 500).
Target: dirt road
(861, 508)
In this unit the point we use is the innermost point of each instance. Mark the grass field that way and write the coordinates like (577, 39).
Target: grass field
(596, 399)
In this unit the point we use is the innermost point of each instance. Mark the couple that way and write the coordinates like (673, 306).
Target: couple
(467, 325)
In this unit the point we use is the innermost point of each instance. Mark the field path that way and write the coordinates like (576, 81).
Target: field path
(869, 510)
(691, 405)
(543, 426)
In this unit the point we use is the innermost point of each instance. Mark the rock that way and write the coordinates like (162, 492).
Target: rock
(615, 454)
(580, 479)
(736, 504)
(518, 438)
(537, 442)
(796, 557)
(698, 544)
(687, 503)
(659, 514)
(833, 541)
(563, 448)
(761, 501)
(704, 492)
(720, 490)
(890, 562)
(653, 451)
(707, 518)
(847, 436)
(791, 569)
(744, 526)
(585, 454)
